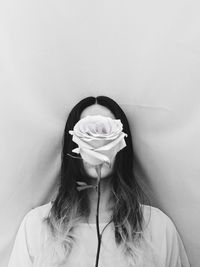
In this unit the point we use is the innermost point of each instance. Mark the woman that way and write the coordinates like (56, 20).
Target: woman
(63, 232)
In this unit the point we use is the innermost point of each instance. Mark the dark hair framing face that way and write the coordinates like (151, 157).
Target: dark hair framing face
(72, 169)
(124, 159)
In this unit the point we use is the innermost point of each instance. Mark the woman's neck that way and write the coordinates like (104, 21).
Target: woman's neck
(106, 203)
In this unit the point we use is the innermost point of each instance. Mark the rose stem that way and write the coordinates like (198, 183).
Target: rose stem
(98, 170)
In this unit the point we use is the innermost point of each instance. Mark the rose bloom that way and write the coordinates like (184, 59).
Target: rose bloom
(99, 139)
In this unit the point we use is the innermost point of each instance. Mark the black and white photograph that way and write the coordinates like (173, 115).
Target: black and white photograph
(99, 133)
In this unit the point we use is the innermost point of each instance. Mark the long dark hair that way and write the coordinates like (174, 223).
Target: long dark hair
(71, 205)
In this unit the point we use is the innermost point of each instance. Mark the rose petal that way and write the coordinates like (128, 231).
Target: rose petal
(100, 136)
(111, 153)
(81, 143)
(97, 143)
(111, 144)
(89, 124)
(92, 157)
(76, 150)
(81, 183)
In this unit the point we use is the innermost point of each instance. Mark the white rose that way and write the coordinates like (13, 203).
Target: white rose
(99, 139)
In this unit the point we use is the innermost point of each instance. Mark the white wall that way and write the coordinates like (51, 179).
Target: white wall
(144, 54)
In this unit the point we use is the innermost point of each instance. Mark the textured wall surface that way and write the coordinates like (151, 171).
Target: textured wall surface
(144, 54)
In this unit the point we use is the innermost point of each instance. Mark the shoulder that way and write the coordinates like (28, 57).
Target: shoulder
(159, 223)
(155, 215)
(162, 233)
(33, 220)
(40, 212)
(32, 224)
(32, 231)
(36, 215)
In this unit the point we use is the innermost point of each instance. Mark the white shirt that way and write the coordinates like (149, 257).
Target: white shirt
(168, 247)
